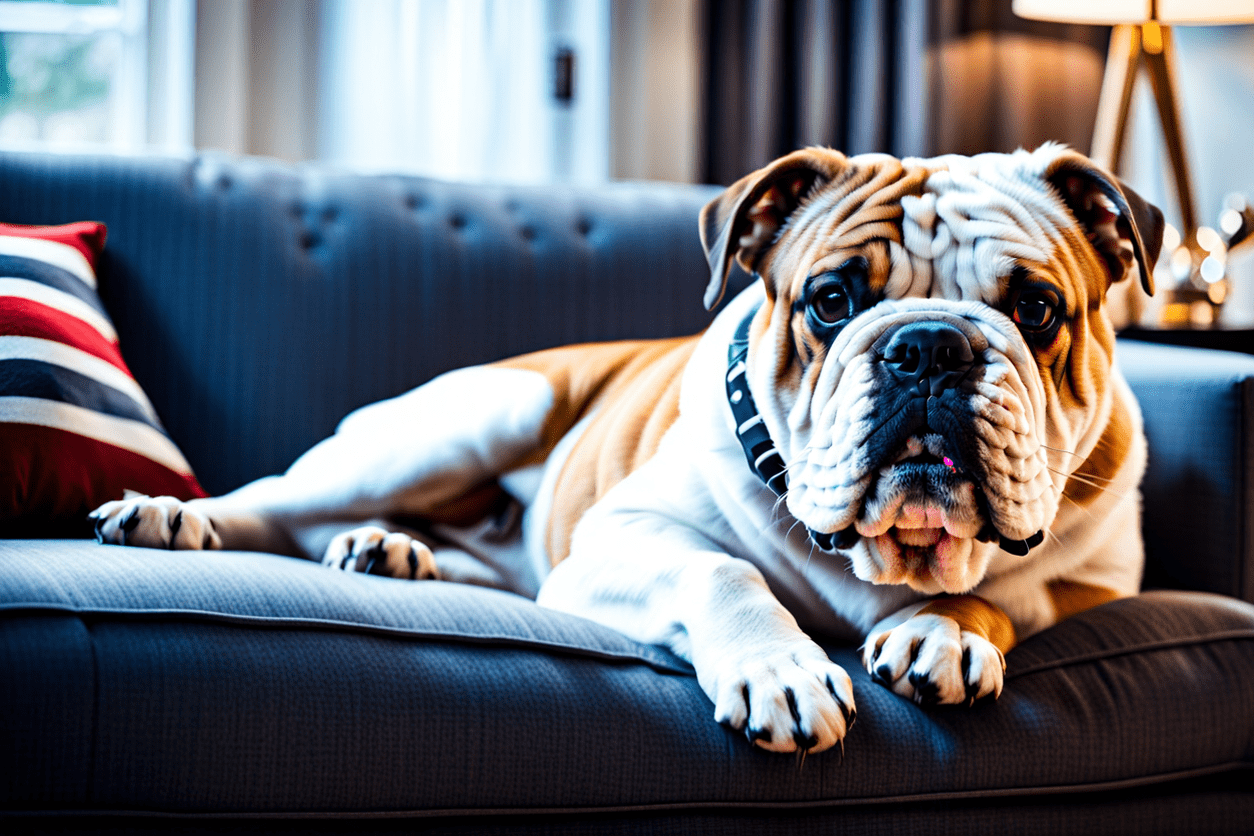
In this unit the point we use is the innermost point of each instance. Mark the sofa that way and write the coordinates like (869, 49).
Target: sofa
(258, 302)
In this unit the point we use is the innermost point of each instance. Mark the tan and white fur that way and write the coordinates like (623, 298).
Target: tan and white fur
(929, 351)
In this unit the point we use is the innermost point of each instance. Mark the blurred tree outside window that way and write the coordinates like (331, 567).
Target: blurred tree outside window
(78, 72)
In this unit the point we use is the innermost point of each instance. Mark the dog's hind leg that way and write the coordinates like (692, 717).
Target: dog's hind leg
(431, 453)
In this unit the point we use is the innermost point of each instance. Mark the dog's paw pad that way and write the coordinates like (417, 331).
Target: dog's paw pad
(929, 659)
(155, 522)
(787, 703)
(376, 551)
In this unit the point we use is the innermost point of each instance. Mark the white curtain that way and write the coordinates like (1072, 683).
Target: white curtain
(463, 89)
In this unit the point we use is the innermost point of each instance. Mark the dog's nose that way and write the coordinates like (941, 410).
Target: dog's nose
(929, 357)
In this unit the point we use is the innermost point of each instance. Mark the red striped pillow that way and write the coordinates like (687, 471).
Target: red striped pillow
(76, 429)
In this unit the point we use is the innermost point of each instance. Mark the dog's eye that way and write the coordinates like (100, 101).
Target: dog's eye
(830, 304)
(1035, 310)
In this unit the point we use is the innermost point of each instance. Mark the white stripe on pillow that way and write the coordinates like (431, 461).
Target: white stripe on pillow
(64, 302)
(77, 360)
(130, 435)
(53, 252)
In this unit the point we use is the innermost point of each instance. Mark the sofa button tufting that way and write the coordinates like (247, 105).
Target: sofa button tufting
(584, 227)
(414, 202)
(528, 233)
(457, 221)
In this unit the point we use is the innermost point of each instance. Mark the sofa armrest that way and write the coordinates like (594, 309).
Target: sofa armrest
(1198, 491)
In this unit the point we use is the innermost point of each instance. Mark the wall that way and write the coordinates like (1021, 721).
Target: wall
(655, 90)
(257, 77)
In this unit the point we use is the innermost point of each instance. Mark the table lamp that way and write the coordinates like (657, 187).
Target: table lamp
(1142, 35)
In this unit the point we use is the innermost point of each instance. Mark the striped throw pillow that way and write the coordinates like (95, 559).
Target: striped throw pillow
(76, 429)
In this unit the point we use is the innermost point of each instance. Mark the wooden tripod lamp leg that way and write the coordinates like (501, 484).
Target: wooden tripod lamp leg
(1160, 62)
(1122, 60)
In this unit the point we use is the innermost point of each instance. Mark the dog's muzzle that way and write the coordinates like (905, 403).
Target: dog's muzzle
(927, 361)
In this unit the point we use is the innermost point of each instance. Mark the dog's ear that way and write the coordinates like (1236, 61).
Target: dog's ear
(1122, 226)
(743, 221)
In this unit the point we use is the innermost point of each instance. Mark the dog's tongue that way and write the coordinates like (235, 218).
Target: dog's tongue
(907, 516)
(920, 515)
(917, 537)
(918, 547)
(921, 525)
(922, 556)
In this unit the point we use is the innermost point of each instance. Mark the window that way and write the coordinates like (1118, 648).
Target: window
(112, 73)
(503, 90)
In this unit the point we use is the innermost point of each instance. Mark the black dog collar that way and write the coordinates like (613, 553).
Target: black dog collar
(759, 449)
(760, 452)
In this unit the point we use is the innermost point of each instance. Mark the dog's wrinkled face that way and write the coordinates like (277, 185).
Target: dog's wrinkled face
(933, 358)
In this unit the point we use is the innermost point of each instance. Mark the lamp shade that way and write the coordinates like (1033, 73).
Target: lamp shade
(1109, 12)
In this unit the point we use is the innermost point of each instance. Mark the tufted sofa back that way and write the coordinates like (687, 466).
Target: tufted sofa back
(259, 302)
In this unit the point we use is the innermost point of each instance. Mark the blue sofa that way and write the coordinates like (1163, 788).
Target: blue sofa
(257, 303)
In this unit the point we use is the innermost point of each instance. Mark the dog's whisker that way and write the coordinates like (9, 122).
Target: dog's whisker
(777, 517)
(1077, 474)
(1060, 450)
(779, 509)
(778, 522)
(1105, 479)
(1086, 511)
(788, 533)
(1092, 484)
(1052, 536)
(1087, 478)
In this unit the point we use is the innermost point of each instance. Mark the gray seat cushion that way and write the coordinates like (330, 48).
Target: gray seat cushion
(139, 680)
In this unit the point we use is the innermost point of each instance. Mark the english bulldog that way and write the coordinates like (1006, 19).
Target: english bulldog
(908, 432)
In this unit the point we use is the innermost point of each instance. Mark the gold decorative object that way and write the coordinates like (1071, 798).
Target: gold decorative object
(1142, 37)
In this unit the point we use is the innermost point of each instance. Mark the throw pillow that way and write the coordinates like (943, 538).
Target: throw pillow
(76, 429)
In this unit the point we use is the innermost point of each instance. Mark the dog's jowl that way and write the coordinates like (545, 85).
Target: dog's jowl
(908, 431)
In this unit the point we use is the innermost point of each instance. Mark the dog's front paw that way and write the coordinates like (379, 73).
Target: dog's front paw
(154, 522)
(786, 702)
(931, 660)
(376, 551)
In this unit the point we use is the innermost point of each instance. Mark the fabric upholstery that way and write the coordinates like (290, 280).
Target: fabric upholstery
(251, 683)
(260, 303)
(1199, 486)
(1202, 806)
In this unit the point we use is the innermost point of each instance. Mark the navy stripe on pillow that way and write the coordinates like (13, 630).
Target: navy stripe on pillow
(37, 379)
(17, 267)
(76, 428)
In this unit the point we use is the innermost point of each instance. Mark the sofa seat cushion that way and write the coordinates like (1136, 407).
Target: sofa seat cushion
(198, 683)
